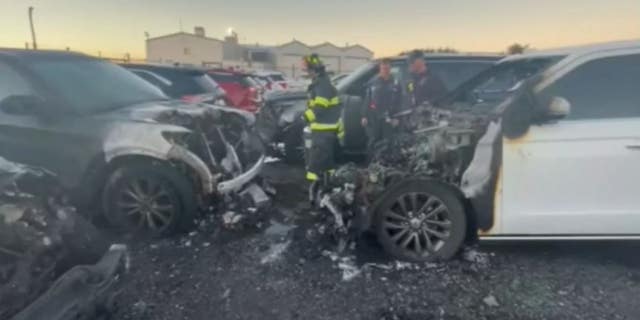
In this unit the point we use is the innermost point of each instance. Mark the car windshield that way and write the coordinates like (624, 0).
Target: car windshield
(92, 86)
(355, 75)
(497, 83)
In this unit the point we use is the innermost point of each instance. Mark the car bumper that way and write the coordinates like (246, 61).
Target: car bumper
(243, 179)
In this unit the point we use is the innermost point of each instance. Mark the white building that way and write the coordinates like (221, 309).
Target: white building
(185, 48)
(199, 50)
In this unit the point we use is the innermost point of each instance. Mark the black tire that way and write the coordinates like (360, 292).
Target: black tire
(173, 209)
(294, 145)
(444, 234)
(355, 137)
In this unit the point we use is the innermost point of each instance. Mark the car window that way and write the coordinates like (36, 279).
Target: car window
(355, 82)
(153, 78)
(223, 77)
(454, 73)
(90, 86)
(188, 82)
(494, 85)
(603, 88)
(12, 83)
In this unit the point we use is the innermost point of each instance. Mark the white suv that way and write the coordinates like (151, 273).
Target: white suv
(572, 172)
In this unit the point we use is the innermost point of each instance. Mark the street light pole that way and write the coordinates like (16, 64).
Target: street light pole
(33, 31)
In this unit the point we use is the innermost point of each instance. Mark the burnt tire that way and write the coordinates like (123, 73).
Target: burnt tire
(421, 220)
(150, 198)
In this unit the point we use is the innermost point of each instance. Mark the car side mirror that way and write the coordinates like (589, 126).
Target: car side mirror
(558, 108)
(23, 105)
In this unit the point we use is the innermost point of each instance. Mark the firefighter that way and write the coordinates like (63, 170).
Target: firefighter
(382, 101)
(423, 86)
(323, 117)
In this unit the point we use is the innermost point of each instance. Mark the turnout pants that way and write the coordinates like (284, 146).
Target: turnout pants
(322, 154)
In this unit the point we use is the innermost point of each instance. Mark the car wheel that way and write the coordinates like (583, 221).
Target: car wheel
(294, 145)
(149, 198)
(421, 220)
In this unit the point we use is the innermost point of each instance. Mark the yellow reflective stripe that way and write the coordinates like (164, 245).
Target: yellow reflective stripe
(309, 115)
(340, 129)
(312, 176)
(411, 87)
(324, 127)
(324, 102)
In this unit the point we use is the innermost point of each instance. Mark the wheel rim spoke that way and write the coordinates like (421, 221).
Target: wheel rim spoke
(407, 240)
(414, 202)
(394, 215)
(399, 235)
(428, 240)
(425, 207)
(165, 219)
(151, 222)
(395, 226)
(437, 234)
(403, 205)
(418, 245)
(444, 224)
(137, 189)
(439, 209)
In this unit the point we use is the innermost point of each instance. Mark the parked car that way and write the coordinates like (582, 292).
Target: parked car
(282, 112)
(336, 79)
(114, 139)
(188, 85)
(556, 152)
(242, 91)
(273, 80)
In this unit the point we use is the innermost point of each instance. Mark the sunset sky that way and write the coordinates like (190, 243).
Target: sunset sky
(115, 27)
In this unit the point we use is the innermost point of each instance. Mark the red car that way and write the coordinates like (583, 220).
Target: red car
(242, 91)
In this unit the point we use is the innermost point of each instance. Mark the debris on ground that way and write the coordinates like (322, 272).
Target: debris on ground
(231, 219)
(274, 253)
(47, 249)
(491, 301)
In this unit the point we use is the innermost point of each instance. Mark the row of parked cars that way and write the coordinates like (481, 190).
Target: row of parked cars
(127, 140)
(220, 86)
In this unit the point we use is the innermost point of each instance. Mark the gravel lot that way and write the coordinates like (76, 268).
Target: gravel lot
(274, 272)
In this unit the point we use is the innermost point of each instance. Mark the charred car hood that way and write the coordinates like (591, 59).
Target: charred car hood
(159, 112)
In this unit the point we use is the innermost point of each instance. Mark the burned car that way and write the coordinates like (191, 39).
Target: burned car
(280, 118)
(54, 264)
(526, 150)
(115, 141)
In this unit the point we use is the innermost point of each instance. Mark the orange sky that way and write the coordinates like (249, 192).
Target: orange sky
(116, 27)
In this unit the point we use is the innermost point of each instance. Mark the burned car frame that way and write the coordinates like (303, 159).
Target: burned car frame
(520, 169)
(115, 140)
(54, 264)
(281, 116)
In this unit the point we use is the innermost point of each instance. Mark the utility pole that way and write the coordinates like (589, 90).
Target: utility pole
(33, 31)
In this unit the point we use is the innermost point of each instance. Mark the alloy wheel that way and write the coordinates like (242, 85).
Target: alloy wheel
(147, 204)
(417, 223)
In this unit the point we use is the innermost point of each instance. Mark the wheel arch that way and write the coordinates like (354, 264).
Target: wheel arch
(99, 171)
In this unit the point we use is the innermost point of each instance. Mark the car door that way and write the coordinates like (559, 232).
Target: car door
(580, 175)
(28, 137)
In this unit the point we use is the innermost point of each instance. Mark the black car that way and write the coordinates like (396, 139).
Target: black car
(187, 84)
(118, 142)
(280, 118)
